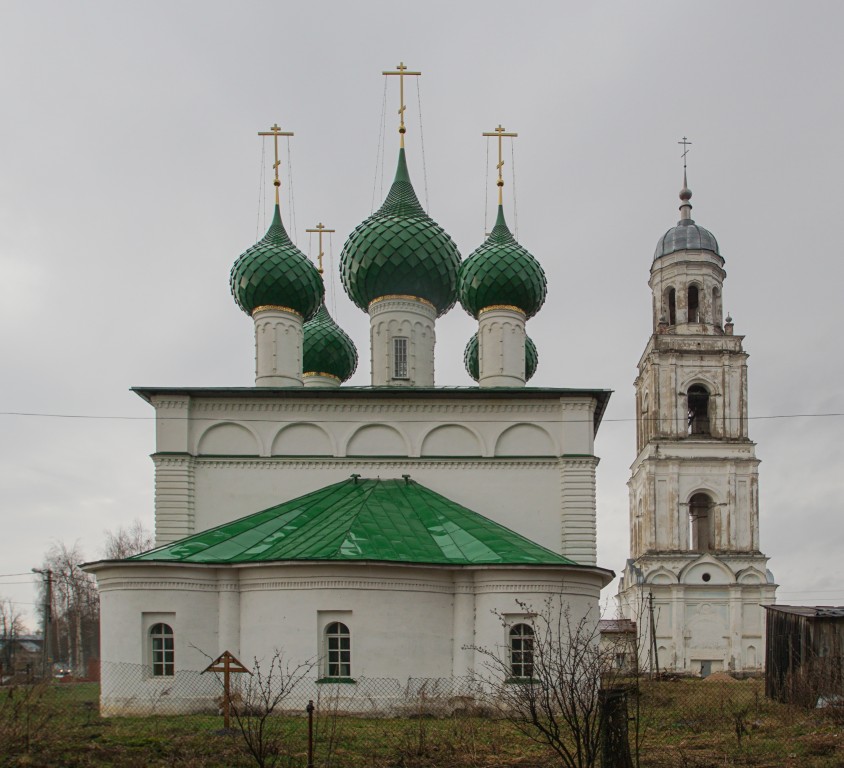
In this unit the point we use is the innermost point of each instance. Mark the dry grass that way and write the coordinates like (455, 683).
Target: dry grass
(684, 724)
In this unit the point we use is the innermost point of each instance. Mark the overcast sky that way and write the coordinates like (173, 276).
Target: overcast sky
(130, 180)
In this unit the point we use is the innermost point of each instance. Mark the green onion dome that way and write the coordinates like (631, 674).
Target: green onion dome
(472, 363)
(502, 272)
(327, 348)
(274, 272)
(400, 250)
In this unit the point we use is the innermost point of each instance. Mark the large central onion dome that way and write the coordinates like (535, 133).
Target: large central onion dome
(686, 236)
(472, 362)
(502, 272)
(274, 272)
(400, 250)
(327, 348)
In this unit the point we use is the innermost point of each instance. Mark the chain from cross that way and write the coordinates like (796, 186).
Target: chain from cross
(402, 71)
(500, 132)
(320, 228)
(686, 144)
(275, 131)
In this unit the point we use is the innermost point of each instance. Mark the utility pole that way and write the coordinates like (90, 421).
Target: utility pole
(47, 620)
(654, 651)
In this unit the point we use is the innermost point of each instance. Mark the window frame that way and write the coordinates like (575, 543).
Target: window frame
(401, 357)
(337, 659)
(519, 633)
(162, 650)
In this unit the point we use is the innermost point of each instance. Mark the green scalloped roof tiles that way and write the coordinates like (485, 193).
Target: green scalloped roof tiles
(472, 361)
(276, 272)
(501, 271)
(378, 520)
(400, 250)
(327, 348)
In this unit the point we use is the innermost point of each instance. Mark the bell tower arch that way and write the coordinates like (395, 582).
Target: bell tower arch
(694, 501)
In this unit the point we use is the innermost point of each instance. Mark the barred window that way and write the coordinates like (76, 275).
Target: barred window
(338, 650)
(162, 650)
(521, 650)
(400, 357)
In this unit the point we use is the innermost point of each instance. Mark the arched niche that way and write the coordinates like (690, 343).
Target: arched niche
(451, 440)
(377, 440)
(228, 439)
(706, 572)
(662, 576)
(302, 440)
(525, 440)
(750, 576)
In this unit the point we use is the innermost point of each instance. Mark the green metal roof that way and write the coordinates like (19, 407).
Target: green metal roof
(500, 271)
(361, 519)
(400, 250)
(275, 272)
(327, 348)
(471, 358)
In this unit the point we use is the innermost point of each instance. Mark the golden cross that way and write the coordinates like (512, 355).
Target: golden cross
(320, 228)
(686, 145)
(275, 131)
(500, 132)
(402, 71)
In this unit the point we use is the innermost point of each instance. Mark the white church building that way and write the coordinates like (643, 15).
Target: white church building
(381, 531)
(694, 495)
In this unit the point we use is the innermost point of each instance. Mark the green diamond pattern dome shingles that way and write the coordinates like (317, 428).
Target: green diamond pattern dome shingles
(686, 236)
(472, 361)
(327, 348)
(275, 272)
(400, 250)
(501, 271)
(376, 520)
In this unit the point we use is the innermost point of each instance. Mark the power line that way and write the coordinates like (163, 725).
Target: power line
(85, 416)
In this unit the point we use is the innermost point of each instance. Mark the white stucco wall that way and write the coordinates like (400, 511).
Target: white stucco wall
(405, 621)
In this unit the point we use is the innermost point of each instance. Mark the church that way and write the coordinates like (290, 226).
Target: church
(382, 531)
(389, 530)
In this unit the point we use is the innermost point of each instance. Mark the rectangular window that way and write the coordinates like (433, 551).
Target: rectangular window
(400, 357)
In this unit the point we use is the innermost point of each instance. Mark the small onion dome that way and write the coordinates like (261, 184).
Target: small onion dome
(327, 348)
(472, 363)
(275, 272)
(501, 271)
(400, 250)
(686, 236)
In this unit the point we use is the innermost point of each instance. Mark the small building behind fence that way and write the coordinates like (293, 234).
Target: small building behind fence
(805, 650)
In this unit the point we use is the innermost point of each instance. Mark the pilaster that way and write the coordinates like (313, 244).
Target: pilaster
(577, 508)
(174, 497)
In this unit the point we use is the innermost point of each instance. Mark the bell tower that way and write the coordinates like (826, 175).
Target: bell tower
(694, 501)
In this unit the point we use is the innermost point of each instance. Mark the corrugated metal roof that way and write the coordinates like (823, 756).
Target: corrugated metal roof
(812, 611)
(378, 520)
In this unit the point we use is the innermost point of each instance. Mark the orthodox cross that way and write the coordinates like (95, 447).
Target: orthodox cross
(275, 132)
(227, 664)
(686, 144)
(402, 71)
(320, 228)
(500, 132)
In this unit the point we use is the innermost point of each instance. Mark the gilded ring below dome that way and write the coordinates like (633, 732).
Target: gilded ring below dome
(323, 374)
(509, 307)
(402, 297)
(275, 308)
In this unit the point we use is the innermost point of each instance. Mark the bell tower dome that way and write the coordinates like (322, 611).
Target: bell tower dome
(694, 495)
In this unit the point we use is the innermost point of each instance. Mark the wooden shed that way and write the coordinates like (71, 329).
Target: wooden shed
(804, 654)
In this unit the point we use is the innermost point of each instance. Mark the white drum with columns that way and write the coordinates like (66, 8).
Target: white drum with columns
(278, 347)
(402, 337)
(501, 347)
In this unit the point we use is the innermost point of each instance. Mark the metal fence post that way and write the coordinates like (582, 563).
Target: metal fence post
(310, 711)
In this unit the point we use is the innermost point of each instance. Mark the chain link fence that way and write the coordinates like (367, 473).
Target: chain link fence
(135, 719)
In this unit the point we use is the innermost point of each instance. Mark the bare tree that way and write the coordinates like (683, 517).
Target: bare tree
(11, 628)
(261, 695)
(557, 695)
(76, 605)
(125, 542)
